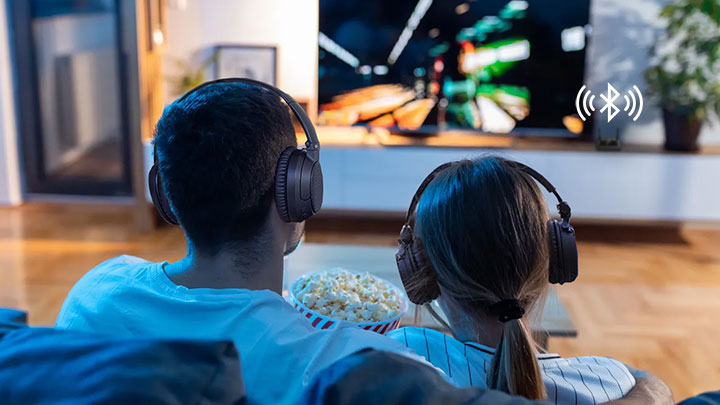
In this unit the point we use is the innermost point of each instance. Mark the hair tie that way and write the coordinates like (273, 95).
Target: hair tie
(507, 310)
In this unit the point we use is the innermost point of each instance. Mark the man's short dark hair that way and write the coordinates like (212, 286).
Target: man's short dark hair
(218, 149)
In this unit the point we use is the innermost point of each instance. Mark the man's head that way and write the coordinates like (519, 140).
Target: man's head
(218, 149)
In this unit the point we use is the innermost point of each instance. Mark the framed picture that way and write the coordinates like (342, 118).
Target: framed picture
(256, 62)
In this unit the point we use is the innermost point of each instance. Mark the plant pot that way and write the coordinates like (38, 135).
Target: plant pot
(681, 131)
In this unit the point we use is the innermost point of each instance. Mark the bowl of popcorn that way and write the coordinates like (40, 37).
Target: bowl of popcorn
(338, 296)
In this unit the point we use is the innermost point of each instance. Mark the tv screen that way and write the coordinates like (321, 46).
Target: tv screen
(424, 66)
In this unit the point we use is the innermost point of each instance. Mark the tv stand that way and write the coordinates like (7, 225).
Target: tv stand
(639, 183)
(368, 174)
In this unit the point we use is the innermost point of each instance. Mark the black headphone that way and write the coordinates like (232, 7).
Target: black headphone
(418, 275)
(298, 176)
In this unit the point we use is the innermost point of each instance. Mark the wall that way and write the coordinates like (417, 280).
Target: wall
(623, 31)
(289, 24)
(9, 169)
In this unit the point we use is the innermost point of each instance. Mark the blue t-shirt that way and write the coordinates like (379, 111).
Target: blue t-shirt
(279, 349)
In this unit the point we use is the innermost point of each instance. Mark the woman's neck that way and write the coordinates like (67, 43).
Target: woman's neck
(477, 327)
(485, 332)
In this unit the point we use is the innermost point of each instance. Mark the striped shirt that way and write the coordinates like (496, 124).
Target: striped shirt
(577, 380)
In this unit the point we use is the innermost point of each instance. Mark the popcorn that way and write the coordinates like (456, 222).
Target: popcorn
(349, 296)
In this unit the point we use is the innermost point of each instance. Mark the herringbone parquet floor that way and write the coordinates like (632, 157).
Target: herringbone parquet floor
(654, 304)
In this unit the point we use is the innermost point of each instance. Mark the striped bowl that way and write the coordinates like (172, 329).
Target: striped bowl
(321, 321)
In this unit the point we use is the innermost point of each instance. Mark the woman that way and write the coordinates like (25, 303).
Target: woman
(482, 240)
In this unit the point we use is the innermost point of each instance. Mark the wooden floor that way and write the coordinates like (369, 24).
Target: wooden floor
(648, 297)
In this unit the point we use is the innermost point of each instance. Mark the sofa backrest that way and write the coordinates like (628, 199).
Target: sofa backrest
(43, 365)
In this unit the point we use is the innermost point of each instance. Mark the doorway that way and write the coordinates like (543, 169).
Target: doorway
(71, 86)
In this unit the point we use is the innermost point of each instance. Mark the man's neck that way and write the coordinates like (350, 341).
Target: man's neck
(252, 268)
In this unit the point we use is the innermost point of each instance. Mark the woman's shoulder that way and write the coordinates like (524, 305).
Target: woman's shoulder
(585, 379)
(583, 363)
(422, 339)
(405, 332)
(460, 363)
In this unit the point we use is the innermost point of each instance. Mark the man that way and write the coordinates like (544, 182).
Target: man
(217, 151)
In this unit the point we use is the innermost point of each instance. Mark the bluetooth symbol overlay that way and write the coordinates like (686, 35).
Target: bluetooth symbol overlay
(609, 102)
(586, 99)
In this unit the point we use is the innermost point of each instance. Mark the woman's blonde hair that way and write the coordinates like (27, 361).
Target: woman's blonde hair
(483, 223)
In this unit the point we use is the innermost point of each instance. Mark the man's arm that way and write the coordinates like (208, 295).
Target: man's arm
(649, 389)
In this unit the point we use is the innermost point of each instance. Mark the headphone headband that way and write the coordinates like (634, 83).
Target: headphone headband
(312, 145)
(430, 177)
(563, 206)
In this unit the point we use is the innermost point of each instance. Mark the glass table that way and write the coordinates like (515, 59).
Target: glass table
(380, 261)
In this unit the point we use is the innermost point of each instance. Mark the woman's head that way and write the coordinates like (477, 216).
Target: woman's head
(483, 224)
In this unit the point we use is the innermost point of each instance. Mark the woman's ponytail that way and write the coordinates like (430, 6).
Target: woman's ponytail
(514, 368)
(483, 224)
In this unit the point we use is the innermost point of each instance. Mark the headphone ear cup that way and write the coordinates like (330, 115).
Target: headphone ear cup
(317, 187)
(563, 253)
(281, 192)
(298, 186)
(416, 271)
(159, 199)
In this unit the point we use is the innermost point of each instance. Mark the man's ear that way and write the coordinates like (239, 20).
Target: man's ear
(275, 223)
(295, 237)
(273, 218)
(288, 233)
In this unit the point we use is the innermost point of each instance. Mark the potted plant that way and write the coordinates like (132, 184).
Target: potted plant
(684, 72)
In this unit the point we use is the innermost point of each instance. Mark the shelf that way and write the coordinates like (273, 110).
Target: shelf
(361, 137)
(642, 183)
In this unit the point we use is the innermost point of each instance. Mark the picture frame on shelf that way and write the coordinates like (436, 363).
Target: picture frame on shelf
(257, 62)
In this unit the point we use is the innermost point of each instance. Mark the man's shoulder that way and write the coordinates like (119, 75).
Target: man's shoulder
(93, 291)
(121, 261)
(111, 274)
(122, 266)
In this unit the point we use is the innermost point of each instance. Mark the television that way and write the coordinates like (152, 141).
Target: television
(424, 66)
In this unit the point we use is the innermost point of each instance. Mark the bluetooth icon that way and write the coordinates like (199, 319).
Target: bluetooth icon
(609, 102)
(633, 103)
